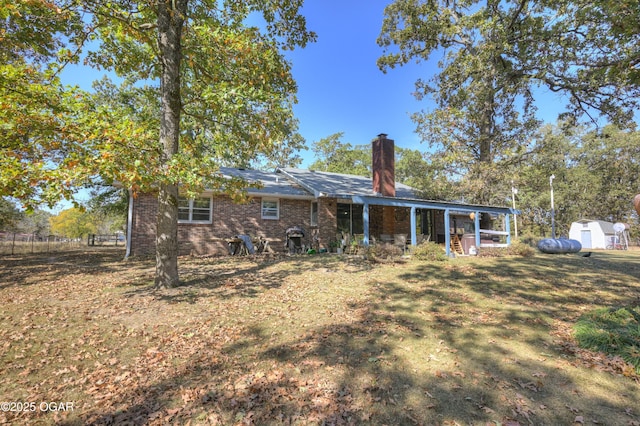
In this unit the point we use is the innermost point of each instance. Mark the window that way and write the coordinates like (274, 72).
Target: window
(270, 209)
(196, 210)
(350, 219)
(314, 214)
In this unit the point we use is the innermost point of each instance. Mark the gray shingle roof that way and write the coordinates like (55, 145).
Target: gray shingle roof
(274, 184)
(290, 182)
(339, 185)
(309, 184)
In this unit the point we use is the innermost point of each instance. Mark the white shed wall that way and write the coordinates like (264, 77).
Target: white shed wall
(599, 239)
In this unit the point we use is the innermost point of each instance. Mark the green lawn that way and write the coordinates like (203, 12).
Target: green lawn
(322, 339)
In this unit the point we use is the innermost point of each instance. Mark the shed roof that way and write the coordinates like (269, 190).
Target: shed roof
(607, 227)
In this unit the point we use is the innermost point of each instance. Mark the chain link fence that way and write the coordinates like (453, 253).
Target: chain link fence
(21, 243)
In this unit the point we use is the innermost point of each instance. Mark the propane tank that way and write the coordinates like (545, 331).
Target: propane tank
(559, 246)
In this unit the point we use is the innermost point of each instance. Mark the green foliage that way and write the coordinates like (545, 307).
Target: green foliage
(201, 88)
(491, 56)
(236, 95)
(35, 222)
(614, 331)
(412, 167)
(9, 215)
(333, 155)
(72, 223)
(39, 140)
(109, 201)
(597, 174)
(415, 169)
(429, 251)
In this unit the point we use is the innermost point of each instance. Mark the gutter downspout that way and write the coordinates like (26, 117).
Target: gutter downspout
(127, 252)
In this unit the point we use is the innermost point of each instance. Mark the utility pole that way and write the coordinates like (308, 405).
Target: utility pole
(553, 210)
(514, 191)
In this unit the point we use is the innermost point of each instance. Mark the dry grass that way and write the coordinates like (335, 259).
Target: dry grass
(313, 340)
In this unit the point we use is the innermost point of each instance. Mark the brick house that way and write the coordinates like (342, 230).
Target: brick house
(324, 204)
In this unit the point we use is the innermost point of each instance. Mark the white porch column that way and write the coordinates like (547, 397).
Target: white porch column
(414, 238)
(447, 232)
(476, 225)
(365, 223)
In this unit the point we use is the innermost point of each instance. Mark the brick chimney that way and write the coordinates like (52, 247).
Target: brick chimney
(383, 166)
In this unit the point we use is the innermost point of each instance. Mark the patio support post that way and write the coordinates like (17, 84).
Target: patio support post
(476, 225)
(365, 223)
(447, 233)
(507, 226)
(414, 238)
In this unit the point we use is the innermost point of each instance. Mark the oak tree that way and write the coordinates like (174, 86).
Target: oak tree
(201, 86)
(493, 55)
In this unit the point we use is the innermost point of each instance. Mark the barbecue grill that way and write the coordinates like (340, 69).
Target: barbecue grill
(295, 234)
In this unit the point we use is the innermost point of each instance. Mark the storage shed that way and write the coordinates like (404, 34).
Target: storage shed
(593, 234)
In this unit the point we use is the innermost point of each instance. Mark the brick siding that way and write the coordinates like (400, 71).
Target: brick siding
(231, 219)
(228, 220)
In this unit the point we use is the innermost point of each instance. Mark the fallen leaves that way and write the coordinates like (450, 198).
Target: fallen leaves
(254, 342)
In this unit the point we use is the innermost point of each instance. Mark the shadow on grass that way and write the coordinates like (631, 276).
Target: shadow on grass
(245, 277)
(465, 343)
(29, 269)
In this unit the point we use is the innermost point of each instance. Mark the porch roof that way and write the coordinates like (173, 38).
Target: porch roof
(430, 204)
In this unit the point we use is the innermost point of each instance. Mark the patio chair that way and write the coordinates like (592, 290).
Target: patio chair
(386, 239)
(422, 238)
(357, 243)
(400, 240)
(345, 242)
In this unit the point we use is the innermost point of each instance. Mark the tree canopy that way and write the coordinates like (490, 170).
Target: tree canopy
(201, 87)
(597, 175)
(333, 155)
(493, 55)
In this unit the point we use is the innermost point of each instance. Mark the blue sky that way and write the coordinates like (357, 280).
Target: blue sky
(341, 89)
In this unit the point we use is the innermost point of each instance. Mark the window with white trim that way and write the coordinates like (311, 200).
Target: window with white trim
(270, 208)
(195, 210)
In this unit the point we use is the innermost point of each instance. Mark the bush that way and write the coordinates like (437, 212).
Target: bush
(492, 252)
(614, 331)
(530, 239)
(517, 248)
(429, 251)
(384, 251)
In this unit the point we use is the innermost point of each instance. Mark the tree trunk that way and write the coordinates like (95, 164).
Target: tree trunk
(167, 238)
(171, 16)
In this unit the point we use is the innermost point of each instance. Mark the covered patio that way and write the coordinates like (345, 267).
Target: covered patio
(447, 207)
